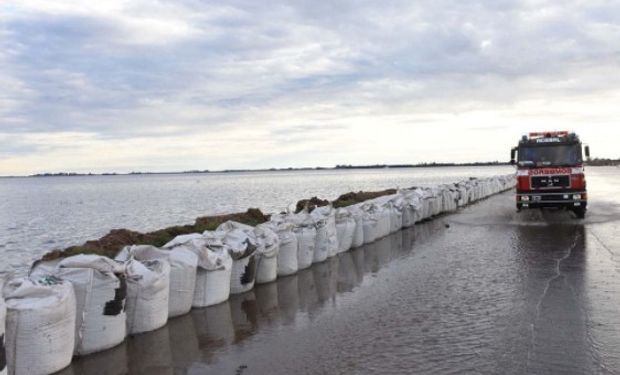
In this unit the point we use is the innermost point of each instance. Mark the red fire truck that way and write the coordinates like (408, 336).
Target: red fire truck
(550, 171)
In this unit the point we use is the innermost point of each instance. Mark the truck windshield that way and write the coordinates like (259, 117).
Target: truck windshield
(556, 155)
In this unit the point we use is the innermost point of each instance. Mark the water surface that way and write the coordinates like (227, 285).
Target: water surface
(38, 214)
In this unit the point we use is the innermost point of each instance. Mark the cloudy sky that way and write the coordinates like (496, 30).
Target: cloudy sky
(151, 85)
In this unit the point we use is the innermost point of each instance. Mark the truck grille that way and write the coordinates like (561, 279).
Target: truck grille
(550, 182)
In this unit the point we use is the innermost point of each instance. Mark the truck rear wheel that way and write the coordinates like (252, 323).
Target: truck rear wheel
(580, 212)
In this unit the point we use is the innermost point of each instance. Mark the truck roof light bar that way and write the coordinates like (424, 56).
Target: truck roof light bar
(549, 134)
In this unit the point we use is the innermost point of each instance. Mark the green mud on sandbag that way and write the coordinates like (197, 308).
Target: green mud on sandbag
(352, 198)
(310, 204)
(113, 242)
(347, 199)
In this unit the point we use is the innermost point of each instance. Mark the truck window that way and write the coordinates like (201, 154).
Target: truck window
(551, 155)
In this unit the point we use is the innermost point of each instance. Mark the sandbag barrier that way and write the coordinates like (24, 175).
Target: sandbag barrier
(84, 304)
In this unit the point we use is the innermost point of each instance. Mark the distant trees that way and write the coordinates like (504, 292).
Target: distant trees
(599, 162)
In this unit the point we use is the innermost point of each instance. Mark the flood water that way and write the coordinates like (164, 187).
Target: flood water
(485, 290)
(38, 214)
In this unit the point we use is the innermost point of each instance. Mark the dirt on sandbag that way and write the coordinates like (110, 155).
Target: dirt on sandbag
(252, 216)
(310, 204)
(352, 198)
(108, 245)
(113, 242)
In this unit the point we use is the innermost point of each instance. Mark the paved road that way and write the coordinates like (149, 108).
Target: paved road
(486, 290)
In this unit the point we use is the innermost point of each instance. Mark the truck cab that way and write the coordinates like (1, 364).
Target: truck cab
(550, 171)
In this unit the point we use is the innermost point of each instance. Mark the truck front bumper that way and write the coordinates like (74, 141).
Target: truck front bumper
(573, 199)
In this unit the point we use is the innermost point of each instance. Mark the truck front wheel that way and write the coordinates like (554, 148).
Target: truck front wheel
(580, 212)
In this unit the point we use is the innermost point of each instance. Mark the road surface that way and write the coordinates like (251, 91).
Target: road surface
(485, 290)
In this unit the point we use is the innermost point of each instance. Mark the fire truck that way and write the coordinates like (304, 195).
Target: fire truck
(550, 171)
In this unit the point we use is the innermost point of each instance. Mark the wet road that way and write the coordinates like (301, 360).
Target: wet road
(486, 290)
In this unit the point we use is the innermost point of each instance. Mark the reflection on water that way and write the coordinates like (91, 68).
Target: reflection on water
(114, 361)
(570, 295)
(188, 344)
(214, 329)
(150, 353)
(555, 266)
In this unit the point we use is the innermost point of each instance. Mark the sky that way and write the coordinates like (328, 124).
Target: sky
(144, 85)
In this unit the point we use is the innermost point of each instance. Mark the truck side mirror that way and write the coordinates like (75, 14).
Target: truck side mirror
(513, 153)
(588, 152)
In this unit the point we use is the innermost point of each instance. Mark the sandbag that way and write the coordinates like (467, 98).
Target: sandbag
(321, 241)
(395, 208)
(147, 295)
(40, 325)
(358, 233)
(214, 268)
(183, 263)
(329, 214)
(182, 239)
(437, 201)
(383, 221)
(462, 199)
(369, 225)
(345, 229)
(376, 220)
(268, 249)
(243, 274)
(242, 246)
(100, 293)
(306, 237)
(287, 254)
(413, 207)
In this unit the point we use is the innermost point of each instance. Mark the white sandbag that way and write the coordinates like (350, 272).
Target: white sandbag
(268, 249)
(395, 208)
(321, 241)
(212, 286)
(450, 195)
(266, 270)
(383, 221)
(184, 238)
(332, 236)
(358, 232)
(427, 205)
(3, 367)
(147, 295)
(40, 325)
(462, 190)
(413, 207)
(326, 243)
(345, 229)
(243, 274)
(242, 246)
(214, 268)
(183, 263)
(369, 225)
(232, 225)
(287, 254)
(306, 236)
(100, 293)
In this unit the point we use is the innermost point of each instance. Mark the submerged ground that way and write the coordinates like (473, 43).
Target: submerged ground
(484, 290)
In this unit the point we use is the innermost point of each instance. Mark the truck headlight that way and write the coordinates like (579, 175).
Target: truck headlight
(577, 197)
(525, 198)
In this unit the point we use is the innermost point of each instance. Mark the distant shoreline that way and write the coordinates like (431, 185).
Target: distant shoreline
(290, 169)
(593, 163)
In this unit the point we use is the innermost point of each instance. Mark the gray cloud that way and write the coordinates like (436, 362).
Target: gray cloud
(163, 69)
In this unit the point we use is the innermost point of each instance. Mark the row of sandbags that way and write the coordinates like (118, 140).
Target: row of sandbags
(88, 303)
